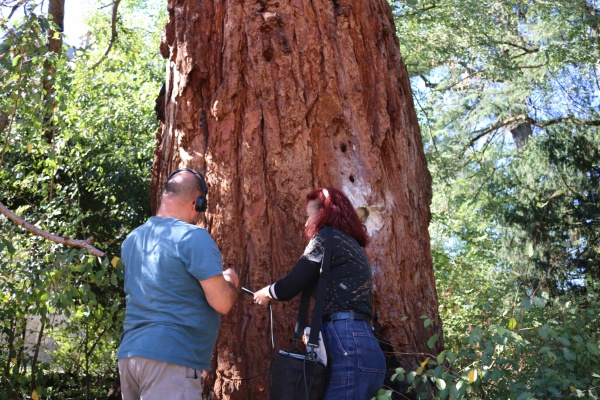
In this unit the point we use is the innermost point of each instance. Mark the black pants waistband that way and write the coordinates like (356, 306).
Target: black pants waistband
(336, 316)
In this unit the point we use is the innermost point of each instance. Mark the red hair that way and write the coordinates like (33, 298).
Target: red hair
(336, 210)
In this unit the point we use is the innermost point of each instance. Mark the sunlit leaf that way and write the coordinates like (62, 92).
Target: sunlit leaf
(421, 368)
(472, 375)
(440, 383)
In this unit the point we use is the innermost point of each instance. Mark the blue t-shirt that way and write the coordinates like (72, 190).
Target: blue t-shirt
(167, 316)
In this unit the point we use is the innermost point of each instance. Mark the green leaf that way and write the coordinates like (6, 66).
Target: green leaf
(593, 348)
(384, 394)
(564, 341)
(433, 340)
(496, 375)
(440, 383)
(441, 357)
(543, 331)
(539, 302)
(512, 324)
(398, 375)
(568, 354)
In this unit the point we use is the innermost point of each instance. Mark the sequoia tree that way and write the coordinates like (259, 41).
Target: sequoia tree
(271, 99)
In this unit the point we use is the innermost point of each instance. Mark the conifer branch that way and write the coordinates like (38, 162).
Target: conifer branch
(478, 134)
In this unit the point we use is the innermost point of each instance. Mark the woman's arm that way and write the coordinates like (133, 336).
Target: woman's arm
(301, 277)
(304, 274)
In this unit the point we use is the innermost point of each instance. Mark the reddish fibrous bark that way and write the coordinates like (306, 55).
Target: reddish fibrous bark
(271, 99)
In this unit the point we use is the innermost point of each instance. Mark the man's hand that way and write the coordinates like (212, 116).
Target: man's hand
(222, 290)
(231, 276)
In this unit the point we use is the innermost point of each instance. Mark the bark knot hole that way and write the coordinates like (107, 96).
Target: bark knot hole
(343, 147)
(271, 20)
(268, 53)
(371, 217)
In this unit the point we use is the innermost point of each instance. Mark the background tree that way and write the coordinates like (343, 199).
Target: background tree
(272, 99)
(507, 98)
(90, 180)
(511, 86)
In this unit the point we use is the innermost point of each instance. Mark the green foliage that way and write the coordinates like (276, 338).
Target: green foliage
(90, 180)
(556, 183)
(550, 353)
(515, 219)
(510, 87)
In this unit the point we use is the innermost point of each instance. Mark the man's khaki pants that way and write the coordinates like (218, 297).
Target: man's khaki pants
(145, 379)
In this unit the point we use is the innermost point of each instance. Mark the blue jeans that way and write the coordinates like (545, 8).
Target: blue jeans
(357, 364)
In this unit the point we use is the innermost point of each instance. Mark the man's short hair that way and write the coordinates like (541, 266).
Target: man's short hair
(187, 188)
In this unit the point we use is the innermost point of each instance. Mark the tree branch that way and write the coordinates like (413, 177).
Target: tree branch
(14, 8)
(113, 35)
(418, 12)
(3, 121)
(524, 48)
(525, 119)
(86, 244)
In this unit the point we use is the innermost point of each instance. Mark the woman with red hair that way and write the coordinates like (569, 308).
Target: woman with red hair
(357, 364)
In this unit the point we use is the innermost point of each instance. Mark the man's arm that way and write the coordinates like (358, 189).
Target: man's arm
(221, 290)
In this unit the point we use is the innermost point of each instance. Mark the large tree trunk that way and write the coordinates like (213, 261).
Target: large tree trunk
(272, 99)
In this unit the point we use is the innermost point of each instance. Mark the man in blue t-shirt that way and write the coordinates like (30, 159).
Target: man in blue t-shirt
(176, 291)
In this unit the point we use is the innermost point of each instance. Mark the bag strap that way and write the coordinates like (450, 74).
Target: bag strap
(315, 326)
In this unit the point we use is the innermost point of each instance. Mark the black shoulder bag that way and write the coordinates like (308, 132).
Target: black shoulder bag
(298, 376)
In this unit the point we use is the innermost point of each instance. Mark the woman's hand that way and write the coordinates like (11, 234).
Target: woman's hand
(263, 296)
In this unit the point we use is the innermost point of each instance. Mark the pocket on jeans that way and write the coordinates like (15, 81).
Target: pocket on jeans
(336, 340)
(370, 356)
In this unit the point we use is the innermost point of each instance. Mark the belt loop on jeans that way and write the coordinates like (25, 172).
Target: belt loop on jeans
(340, 315)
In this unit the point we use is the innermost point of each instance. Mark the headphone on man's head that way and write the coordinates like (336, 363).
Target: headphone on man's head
(201, 203)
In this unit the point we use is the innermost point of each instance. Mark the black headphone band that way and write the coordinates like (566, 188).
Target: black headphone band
(201, 203)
